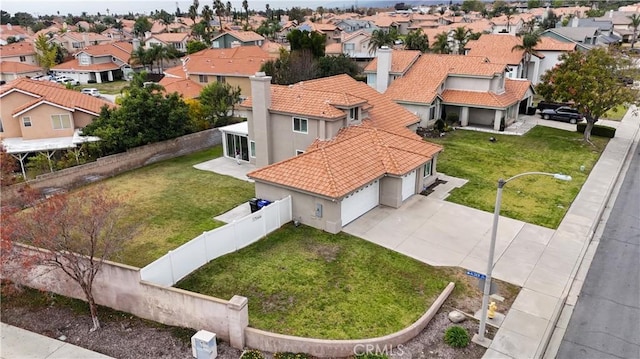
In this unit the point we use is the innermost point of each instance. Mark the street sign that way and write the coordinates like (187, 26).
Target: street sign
(476, 274)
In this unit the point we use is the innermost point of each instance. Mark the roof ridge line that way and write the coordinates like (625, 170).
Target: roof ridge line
(325, 163)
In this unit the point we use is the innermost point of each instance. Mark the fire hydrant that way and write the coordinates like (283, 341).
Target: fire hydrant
(492, 310)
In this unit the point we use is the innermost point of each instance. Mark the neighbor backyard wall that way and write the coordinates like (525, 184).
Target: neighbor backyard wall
(115, 164)
(119, 287)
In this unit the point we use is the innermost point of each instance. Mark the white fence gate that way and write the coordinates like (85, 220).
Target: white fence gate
(180, 262)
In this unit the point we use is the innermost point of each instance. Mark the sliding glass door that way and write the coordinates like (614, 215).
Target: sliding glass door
(237, 144)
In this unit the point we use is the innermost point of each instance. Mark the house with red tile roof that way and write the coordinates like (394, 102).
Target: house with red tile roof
(472, 88)
(76, 41)
(500, 48)
(335, 145)
(183, 86)
(10, 70)
(18, 33)
(23, 52)
(177, 40)
(99, 63)
(231, 38)
(355, 45)
(232, 66)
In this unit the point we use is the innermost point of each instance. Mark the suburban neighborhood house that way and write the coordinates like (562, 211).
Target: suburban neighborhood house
(74, 41)
(437, 86)
(232, 66)
(99, 63)
(501, 49)
(334, 144)
(232, 38)
(42, 116)
(176, 40)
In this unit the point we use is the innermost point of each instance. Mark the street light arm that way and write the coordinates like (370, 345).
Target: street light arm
(559, 176)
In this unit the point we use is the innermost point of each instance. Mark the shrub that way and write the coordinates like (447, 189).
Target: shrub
(598, 130)
(91, 81)
(371, 356)
(252, 354)
(290, 356)
(502, 124)
(440, 125)
(456, 336)
(452, 117)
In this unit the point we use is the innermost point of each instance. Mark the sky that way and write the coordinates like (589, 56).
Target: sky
(75, 7)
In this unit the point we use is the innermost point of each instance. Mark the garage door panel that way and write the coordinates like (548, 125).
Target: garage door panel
(360, 202)
(408, 185)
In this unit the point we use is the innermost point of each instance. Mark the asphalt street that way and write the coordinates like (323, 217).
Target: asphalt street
(606, 319)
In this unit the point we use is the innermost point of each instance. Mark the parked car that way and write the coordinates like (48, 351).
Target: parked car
(91, 92)
(57, 78)
(67, 80)
(562, 113)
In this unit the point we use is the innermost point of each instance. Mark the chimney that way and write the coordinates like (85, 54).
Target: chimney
(85, 40)
(147, 34)
(574, 21)
(9, 27)
(382, 70)
(610, 14)
(259, 128)
(136, 44)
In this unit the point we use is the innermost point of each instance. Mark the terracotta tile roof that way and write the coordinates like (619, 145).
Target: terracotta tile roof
(75, 66)
(372, 152)
(169, 37)
(498, 48)
(244, 36)
(347, 37)
(551, 44)
(239, 61)
(121, 50)
(319, 94)
(420, 83)
(17, 49)
(53, 93)
(272, 48)
(401, 60)
(184, 87)
(335, 48)
(514, 92)
(12, 67)
(91, 36)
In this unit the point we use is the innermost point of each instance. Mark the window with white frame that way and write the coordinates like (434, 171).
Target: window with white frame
(203, 79)
(432, 112)
(252, 148)
(61, 121)
(353, 114)
(300, 125)
(26, 121)
(428, 168)
(349, 46)
(77, 45)
(85, 60)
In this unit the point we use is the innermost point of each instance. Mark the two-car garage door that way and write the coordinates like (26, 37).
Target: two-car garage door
(360, 202)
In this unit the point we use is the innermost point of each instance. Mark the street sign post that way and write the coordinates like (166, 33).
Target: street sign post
(476, 274)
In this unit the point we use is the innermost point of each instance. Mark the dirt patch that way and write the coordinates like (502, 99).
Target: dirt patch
(128, 337)
(328, 252)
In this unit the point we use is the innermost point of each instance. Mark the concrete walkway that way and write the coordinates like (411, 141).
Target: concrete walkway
(22, 344)
(543, 261)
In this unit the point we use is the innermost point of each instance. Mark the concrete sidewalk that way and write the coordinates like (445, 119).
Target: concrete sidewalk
(22, 344)
(542, 261)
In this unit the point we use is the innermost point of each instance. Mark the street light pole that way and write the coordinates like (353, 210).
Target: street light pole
(492, 246)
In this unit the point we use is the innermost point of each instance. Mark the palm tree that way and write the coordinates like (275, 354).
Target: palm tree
(635, 23)
(219, 7)
(207, 15)
(441, 45)
(228, 11)
(381, 38)
(193, 13)
(461, 37)
(417, 40)
(141, 56)
(529, 42)
(245, 6)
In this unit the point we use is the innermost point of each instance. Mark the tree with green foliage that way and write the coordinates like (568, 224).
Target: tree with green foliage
(532, 4)
(193, 11)
(461, 37)
(472, 5)
(141, 26)
(635, 23)
(194, 46)
(441, 45)
(307, 41)
(336, 65)
(45, 52)
(202, 32)
(557, 3)
(549, 21)
(5, 17)
(219, 8)
(381, 38)
(145, 115)
(529, 42)
(269, 28)
(23, 19)
(245, 6)
(417, 40)
(218, 100)
(141, 56)
(296, 14)
(591, 80)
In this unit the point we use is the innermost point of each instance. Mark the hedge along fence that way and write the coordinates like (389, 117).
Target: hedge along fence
(598, 130)
(109, 166)
(323, 348)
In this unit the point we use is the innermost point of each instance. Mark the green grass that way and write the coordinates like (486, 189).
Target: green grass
(616, 113)
(539, 200)
(112, 88)
(174, 203)
(306, 282)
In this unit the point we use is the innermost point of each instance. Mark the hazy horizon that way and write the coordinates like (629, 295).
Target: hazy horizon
(75, 7)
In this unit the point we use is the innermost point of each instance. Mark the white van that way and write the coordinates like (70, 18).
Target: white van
(91, 91)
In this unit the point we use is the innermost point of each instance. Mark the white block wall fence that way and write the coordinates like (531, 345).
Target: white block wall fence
(180, 262)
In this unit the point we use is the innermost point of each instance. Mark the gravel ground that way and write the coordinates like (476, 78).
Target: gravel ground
(128, 337)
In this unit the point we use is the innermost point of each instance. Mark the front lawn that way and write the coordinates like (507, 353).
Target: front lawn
(616, 113)
(539, 200)
(306, 282)
(174, 202)
(112, 88)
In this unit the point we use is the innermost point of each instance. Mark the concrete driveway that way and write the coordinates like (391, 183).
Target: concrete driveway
(441, 233)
